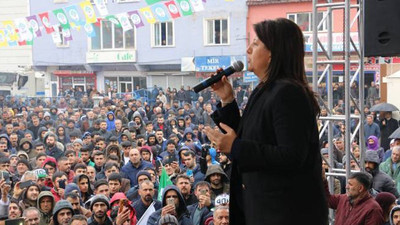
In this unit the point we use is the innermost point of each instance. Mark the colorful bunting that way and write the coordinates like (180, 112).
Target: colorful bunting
(185, 7)
(66, 33)
(197, 5)
(75, 18)
(124, 20)
(3, 39)
(62, 18)
(44, 17)
(88, 11)
(148, 15)
(136, 19)
(173, 9)
(34, 25)
(23, 29)
(151, 2)
(56, 35)
(89, 29)
(101, 7)
(113, 19)
(11, 34)
(160, 12)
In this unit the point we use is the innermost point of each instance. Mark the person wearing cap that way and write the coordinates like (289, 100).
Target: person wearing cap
(381, 182)
(45, 203)
(99, 206)
(218, 179)
(386, 201)
(62, 212)
(177, 209)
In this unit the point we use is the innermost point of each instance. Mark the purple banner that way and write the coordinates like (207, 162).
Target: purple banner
(136, 19)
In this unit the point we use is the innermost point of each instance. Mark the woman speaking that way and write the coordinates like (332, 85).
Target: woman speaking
(276, 171)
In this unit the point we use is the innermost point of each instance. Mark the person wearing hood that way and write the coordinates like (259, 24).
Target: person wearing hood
(387, 201)
(188, 137)
(4, 137)
(110, 121)
(138, 123)
(50, 140)
(62, 135)
(45, 203)
(26, 146)
(41, 133)
(147, 154)
(381, 182)
(373, 144)
(99, 205)
(47, 120)
(50, 166)
(177, 209)
(394, 216)
(62, 213)
(29, 196)
(114, 203)
(113, 149)
(218, 179)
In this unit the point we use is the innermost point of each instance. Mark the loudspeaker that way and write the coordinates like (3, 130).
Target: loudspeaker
(382, 27)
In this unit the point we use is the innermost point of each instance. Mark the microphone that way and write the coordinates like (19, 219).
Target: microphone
(235, 67)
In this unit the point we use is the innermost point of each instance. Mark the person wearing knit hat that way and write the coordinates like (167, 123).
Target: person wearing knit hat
(62, 212)
(99, 205)
(22, 166)
(387, 201)
(168, 220)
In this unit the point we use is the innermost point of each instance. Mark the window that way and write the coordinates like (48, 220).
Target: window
(216, 31)
(109, 36)
(64, 43)
(125, 84)
(163, 34)
(304, 20)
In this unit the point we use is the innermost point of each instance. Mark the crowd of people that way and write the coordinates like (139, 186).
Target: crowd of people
(102, 164)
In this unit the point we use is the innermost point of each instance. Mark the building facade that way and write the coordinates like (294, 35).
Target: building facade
(163, 53)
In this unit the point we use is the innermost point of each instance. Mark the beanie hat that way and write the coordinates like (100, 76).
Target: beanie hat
(100, 182)
(143, 172)
(99, 198)
(24, 161)
(372, 156)
(62, 204)
(79, 141)
(324, 151)
(385, 200)
(86, 134)
(170, 141)
(126, 143)
(168, 219)
(72, 187)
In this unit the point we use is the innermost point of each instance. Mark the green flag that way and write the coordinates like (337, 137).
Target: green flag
(164, 181)
(150, 2)
(113, 19)
(185, 7)
(62, 18)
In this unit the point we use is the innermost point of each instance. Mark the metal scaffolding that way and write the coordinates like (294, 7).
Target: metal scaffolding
(352, 54)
